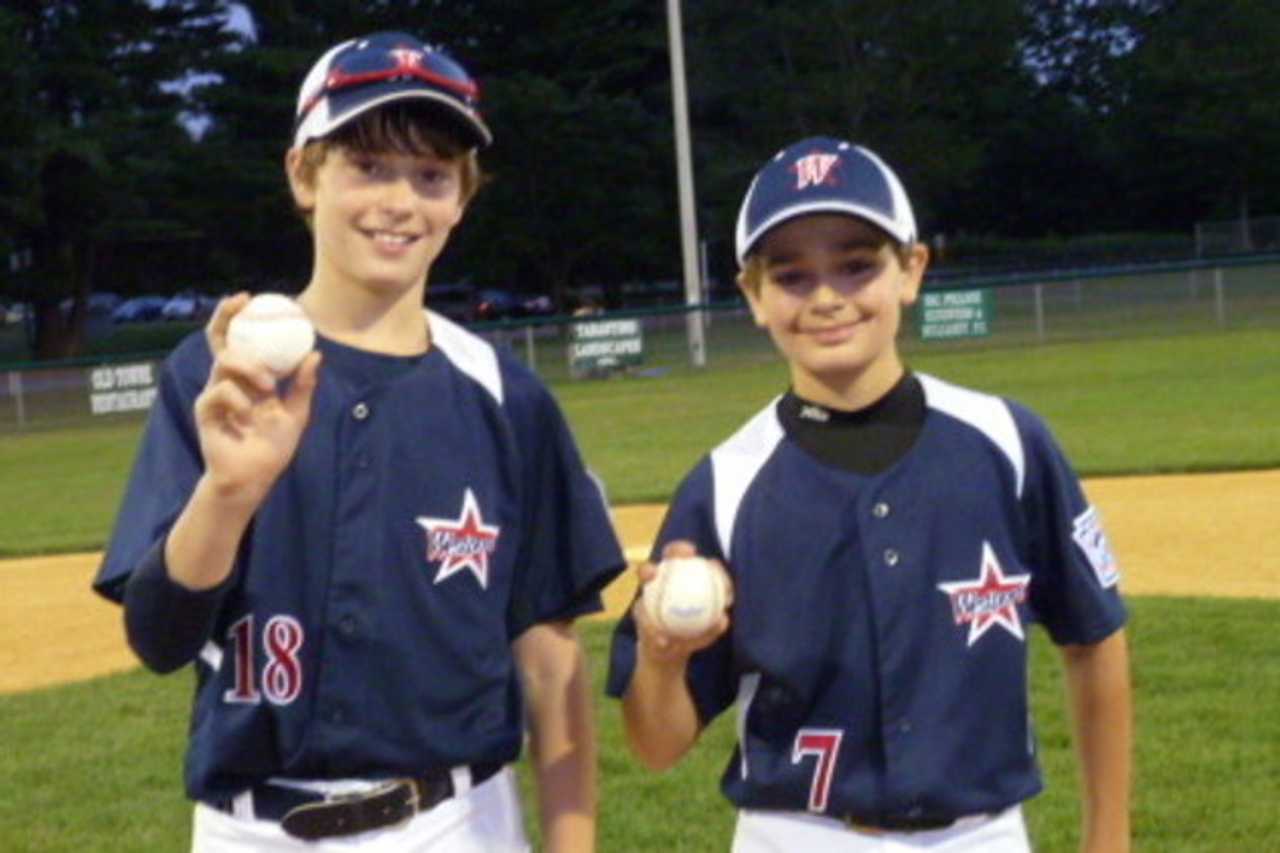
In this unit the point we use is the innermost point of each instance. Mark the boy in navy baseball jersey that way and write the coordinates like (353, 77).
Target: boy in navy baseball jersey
(374, 566)
(890, 539)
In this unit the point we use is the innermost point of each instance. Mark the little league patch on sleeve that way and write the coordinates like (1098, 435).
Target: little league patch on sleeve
(1089, 535)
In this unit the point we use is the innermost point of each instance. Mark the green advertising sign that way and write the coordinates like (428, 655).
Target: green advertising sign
(956, 314)
(600, 346)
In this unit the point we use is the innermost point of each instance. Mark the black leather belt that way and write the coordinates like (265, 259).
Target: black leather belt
(311, 815)
(897, 823)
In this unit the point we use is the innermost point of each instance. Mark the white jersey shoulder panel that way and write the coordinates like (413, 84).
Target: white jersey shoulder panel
(735, 463)
(471, 354)
(986, 413)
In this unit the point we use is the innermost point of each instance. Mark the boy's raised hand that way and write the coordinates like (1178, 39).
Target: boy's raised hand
(249, 426)
(662, 647)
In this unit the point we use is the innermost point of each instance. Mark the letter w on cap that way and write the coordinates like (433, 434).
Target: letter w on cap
(815, 169)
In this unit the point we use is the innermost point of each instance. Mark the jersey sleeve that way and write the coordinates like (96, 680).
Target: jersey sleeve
(165, 470)
(1075, 592)
(167, 624)
(709, 675)
(570, 552)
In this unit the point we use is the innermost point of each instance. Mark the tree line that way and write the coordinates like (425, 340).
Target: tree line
(141, 142)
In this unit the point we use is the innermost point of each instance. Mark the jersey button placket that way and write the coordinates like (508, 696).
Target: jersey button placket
(346, 624)
(880, 510)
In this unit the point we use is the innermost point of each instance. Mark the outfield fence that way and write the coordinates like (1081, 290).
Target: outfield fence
(1012, 310)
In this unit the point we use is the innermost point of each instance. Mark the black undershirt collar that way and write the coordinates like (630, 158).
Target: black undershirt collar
(867, 441)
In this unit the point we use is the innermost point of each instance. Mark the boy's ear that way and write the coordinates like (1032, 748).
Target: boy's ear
(304, 192)
(913, 272)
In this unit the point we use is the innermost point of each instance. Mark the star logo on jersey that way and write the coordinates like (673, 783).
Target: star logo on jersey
(461, 543)
(816, 169)
(990, 599)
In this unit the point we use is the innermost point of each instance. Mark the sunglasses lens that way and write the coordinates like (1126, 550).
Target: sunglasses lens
(375, 63)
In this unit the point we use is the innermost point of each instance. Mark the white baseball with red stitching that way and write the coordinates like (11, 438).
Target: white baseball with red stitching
(686, 597)
(274, 330)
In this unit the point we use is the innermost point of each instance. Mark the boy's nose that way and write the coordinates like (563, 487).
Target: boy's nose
(398, 194)
(826, 294)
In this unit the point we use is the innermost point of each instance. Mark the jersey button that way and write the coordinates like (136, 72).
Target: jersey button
(880, 510)
(360, 411)
(890, 557)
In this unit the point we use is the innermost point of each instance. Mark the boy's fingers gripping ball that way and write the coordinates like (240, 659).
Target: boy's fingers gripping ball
(274, 330)
(686, 596)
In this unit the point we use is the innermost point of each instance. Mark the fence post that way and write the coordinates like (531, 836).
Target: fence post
(1039, 295)
(1219, 303)
(529, 353)
(15, 388)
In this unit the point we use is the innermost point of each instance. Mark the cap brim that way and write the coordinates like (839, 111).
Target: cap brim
(895, 230)
(464, 121)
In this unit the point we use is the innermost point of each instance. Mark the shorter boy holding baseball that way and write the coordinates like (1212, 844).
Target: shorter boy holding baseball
(890, 539)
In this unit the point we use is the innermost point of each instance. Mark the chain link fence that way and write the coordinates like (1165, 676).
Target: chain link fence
(1235, 236)
(1010, 310)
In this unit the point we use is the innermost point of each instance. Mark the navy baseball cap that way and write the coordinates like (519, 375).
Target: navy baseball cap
(823, 175)
(361, 74)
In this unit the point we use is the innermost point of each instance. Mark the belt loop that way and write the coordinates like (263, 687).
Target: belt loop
(242, 805)
(461, 780)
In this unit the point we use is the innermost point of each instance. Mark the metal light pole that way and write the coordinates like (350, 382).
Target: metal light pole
(684, 178)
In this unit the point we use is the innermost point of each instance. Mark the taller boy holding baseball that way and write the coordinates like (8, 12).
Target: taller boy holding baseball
(890, 539)
(374, 566)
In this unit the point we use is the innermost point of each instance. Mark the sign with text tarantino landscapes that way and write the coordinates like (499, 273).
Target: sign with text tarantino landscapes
(600, 346)
(956, 314)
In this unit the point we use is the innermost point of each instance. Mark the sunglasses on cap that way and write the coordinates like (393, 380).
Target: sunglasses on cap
(367, 64)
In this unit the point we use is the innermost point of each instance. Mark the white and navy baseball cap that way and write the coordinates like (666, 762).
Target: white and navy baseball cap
(361, 74)
(823, 175)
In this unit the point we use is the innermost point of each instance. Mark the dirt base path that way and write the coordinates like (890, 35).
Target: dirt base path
(1198, 535)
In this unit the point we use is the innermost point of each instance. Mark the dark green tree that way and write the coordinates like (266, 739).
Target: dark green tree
(575, 93)
(1201, 119)
(92, 146)
(923, 83)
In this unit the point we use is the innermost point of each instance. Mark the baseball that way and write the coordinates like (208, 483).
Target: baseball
(272, 329)
(687, 596)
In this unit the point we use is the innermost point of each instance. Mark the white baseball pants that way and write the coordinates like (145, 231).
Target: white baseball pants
(487, 819)
(786, 832)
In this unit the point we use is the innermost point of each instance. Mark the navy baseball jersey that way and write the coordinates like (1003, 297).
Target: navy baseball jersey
(436, 508)
(878, 647)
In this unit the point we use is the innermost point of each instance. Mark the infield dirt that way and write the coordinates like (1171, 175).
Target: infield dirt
(1192, 535)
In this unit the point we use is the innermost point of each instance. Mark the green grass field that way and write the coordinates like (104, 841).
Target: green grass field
(1194, 402)
(97, 765)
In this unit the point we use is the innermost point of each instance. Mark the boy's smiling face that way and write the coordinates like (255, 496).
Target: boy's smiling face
(380, 219)
(831, 298)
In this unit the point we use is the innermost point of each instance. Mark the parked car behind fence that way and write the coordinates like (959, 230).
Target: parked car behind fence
(139, 309)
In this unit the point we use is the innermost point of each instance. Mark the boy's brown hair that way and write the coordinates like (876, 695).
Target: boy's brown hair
(756, 267)
(398, 128)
